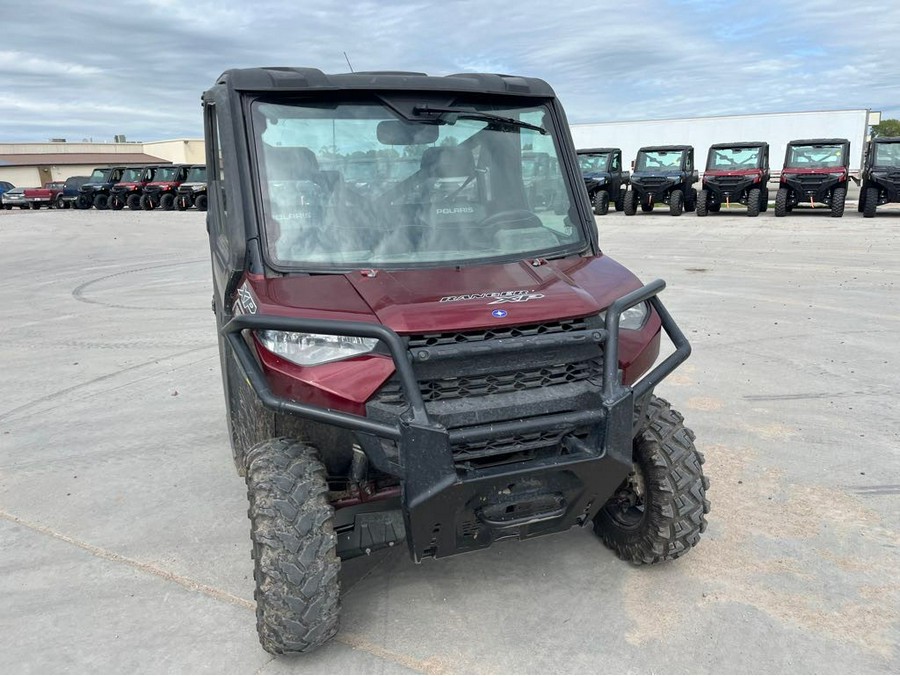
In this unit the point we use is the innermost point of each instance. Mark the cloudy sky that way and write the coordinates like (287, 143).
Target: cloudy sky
(80, 70)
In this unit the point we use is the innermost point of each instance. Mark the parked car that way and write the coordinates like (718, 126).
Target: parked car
(14, 198)
(43, 197)
(880, 175)
(663, 174)
(604, 179)
(70, 192)
(738, 173)
(815, 170)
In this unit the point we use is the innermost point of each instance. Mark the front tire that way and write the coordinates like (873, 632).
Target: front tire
(690, 200)
(676, 203)
(61, 203)
(781, 199)
(620, 200)
(659, 511)
(200, 202)
(629, 203)
(133, 202)
(167, 202)
(601, 202)
(101, 201)
(116, 203)
(838, 198)
(702, 202)
(147, 203)
(870, 201)
(754, 197)
(296, 567)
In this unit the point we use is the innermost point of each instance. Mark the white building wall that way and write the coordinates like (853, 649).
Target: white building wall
(701, 132)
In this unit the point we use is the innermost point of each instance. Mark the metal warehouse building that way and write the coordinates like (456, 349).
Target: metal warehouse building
(33, 164)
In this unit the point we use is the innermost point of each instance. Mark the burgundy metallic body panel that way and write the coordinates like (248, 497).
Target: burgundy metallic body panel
(440, 300)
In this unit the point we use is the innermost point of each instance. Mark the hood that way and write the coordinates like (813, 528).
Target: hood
(451, 299)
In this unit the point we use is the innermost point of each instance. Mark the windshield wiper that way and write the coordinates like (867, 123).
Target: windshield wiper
(468, 114)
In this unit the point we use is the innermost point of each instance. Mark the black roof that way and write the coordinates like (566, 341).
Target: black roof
(739, 144)
(280, 79)
(886, 139)
(817, 141)
(586, 151)
(652, 148)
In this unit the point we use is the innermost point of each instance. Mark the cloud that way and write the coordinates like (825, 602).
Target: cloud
(139, 70)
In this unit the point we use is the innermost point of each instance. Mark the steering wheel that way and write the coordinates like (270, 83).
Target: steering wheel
(522, 218)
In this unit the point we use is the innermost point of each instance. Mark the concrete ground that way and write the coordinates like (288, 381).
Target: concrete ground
(123, 525)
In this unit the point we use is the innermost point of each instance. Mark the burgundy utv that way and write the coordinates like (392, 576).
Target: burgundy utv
(432, 360)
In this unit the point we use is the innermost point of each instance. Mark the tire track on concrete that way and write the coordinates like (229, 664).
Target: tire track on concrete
(109, 376)
(78, 293)
(354, 641)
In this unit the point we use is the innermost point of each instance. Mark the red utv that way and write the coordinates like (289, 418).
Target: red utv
(161, 191)
(815, 171)
(431, 360)
(127, 192)
(735, 173)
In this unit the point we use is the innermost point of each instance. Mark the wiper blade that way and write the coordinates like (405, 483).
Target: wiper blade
(468, 114)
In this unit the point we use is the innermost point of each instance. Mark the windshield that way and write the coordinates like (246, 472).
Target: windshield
(354, 185)
(733, 158)
(166, 174)
(887, 154)
(132, 175)
(593, 161)
(196, 175)
(815, 156)
(99, 175)
(659, 160)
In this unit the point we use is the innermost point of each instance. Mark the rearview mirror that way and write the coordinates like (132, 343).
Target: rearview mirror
(402, 133)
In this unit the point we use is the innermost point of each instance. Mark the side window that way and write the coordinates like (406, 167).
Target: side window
(689, 162)
(616, 161)
(216, 184)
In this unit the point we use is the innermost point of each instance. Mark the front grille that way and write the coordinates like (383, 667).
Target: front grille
(513, 448)
(495, 383)
(811, 181)
(727, 182)
(433, 339)
(652, 183)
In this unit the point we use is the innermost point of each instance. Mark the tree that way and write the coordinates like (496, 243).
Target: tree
(889, 127)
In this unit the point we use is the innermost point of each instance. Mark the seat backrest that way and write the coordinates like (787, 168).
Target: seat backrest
(284, 163)
(448, 162)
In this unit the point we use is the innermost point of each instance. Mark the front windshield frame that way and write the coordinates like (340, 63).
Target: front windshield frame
(196, 175)
(166, 174)
(885, 150)
(794, 152)
(644, 156)
(577, 227)
(99, 176)
(132, 175)
(596, 164)
(717, 161)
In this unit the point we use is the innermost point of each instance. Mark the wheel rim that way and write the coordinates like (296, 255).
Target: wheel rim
(627, 507)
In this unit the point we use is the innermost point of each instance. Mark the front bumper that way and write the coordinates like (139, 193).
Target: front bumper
(448, 510)
(730, 187)
(815, 186)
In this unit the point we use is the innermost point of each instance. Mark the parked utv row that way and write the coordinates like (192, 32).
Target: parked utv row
(815, 171)
(166, 187)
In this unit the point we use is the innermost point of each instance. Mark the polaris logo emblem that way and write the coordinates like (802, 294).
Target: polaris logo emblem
(455, 210)
(499, 314)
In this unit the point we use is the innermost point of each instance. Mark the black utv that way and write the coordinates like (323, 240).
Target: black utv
(880, 174)
(735, 172)
(192, 193)
(433, 360)
(663, 174)
(603, 177)
(95, 191)
(815, 170)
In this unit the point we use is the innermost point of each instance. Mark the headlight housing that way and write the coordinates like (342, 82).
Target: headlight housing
(633, 318)
(312, 349)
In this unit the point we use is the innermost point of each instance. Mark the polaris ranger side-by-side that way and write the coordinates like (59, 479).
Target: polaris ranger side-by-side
(735, 172)
(880, 175)
(192, 193)
(663, 174)
(434, 362)
(95, 191)
(604, 178)
(160, 192)
(815, 170)
(127, 192)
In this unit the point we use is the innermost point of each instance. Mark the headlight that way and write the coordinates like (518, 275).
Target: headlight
(633, 318)
(311, 349)
(837, 174)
